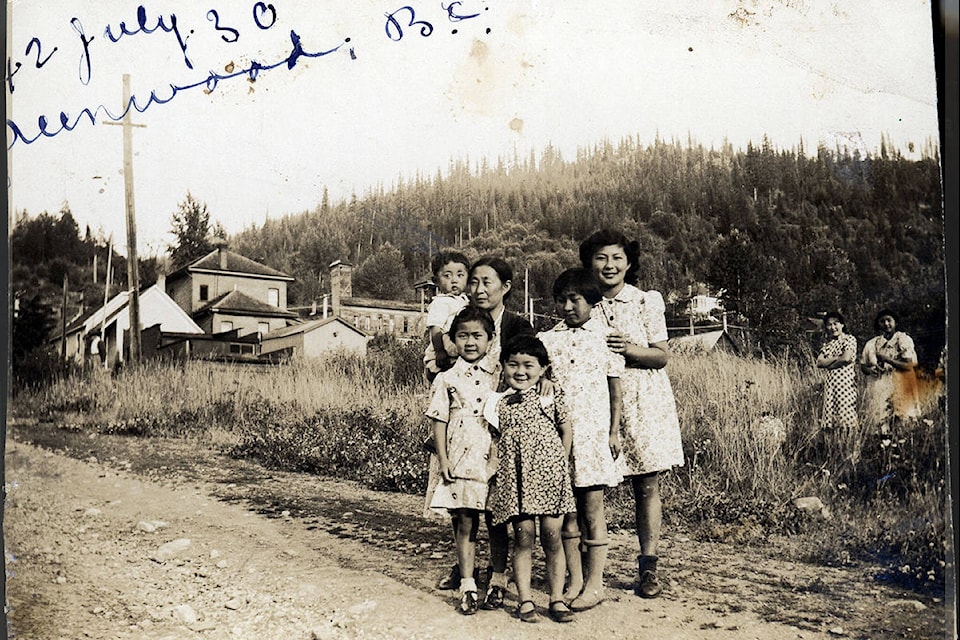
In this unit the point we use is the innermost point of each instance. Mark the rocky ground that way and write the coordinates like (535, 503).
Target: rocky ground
(112, 537)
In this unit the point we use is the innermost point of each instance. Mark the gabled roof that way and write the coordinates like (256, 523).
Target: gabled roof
(707, 341)
(307, 327)
(235, 264)
(237, 302)
(152, 296)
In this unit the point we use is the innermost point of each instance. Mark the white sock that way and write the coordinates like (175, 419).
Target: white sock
(467, 584)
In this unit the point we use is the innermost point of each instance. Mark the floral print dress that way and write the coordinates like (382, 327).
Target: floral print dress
(458, 396)
(582, 364)
(840, 386)
(532, 473)
(650, 430)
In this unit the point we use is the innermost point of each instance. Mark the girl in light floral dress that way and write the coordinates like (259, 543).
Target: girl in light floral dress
(589, 374)
(650, 430)
(466, 458)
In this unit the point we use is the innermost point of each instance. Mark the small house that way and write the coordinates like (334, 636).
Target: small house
(314, 338)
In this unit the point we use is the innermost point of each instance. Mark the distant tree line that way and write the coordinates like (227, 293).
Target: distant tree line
(785, 236)
(782, 234)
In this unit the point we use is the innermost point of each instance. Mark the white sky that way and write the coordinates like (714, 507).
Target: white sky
(570, 76)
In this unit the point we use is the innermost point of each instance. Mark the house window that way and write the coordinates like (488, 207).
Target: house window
(273, 297)
(204, 292)
(226, 325)
(366, 322)
(392, 325)
(263, 327)
(406, 324)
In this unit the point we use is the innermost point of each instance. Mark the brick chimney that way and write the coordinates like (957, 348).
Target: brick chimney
(221, 246)
(341, 283)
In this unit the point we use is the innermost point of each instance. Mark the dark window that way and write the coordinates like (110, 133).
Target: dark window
(204, 292)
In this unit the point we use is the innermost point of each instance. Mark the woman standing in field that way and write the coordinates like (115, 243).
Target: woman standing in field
(837, 356)
(650, 429)
(889, 361)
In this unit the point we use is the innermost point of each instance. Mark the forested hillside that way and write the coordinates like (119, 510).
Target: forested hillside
(783, 234)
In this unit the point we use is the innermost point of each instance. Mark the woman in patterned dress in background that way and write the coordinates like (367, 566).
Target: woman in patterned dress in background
(838, 356)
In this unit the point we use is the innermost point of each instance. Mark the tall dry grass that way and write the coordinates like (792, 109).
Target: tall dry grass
(751, 433)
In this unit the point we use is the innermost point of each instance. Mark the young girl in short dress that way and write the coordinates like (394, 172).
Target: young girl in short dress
(650, 430)
(465, 459)
(589, 374)
(533, 477)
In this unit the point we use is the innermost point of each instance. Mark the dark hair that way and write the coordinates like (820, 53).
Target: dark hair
(834, 314)
(472, 314)
(607, 237)
(578, 280)
(527, 345)
(444, 258)
(885, 312)
(504, 272)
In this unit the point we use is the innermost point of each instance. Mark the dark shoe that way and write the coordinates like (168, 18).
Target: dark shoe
(559, 611)
(494, 599)
(530, 615)
(649, 585)
(451, 581)
(469, 603)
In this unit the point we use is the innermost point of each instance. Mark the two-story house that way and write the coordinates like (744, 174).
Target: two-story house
(224, 291)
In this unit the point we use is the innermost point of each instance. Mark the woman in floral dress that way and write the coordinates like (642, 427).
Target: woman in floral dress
(650, 429)
(889, 360)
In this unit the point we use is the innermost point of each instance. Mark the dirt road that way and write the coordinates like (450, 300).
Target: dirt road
(114, 537)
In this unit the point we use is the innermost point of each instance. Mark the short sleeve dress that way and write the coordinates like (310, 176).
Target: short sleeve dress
(532, 473)
(893, 393)
(840, 386)
(650, 430)
(581, 364)
(458, 396)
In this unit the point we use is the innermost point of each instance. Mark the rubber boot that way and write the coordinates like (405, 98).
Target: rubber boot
(595, 559)
(571, 549)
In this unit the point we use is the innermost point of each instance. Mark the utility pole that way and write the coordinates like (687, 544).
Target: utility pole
(133, 277)
(63, 320)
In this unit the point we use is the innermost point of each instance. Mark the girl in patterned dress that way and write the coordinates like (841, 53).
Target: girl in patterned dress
(533, 478)
(838, 355)
(650, 429)
(465, 456)
(589, 374)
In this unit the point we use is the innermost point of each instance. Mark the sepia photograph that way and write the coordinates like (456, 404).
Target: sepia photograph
(460, 319)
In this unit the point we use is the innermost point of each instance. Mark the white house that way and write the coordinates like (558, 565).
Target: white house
(314, 338)
(111, 320)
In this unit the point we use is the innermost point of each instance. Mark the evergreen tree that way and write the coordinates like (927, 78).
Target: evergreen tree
(191, 226)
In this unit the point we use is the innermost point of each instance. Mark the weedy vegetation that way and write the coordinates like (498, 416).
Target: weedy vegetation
(751, 431)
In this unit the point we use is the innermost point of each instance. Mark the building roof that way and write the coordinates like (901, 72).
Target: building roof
(236, 264)
(106, 314)
(237, 302)
(370, 303)
(307, 327)
(708, 341)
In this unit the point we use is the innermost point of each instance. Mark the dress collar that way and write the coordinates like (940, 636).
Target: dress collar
(485, 364)
(628, 293)
(590, 325)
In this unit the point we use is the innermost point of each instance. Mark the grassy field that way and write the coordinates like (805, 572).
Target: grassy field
(750, 430)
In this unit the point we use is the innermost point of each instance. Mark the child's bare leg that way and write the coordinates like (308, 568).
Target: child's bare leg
(590, 503)
(550, 540)
(468, 521)
(499, 543)
(524, 536)
(570, 534)
(649, 515)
